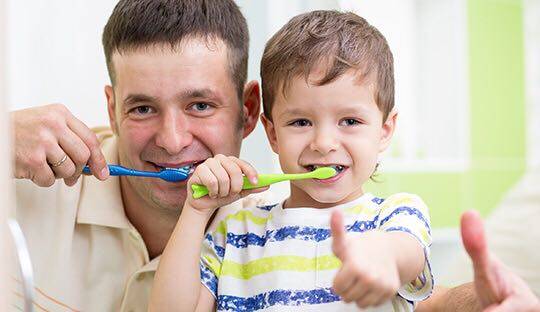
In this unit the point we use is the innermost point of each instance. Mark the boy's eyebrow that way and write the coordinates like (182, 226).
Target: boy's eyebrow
(292, 111)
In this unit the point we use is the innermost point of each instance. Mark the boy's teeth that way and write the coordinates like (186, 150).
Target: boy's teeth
(338, 168)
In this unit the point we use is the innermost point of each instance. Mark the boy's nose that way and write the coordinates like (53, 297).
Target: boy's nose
(324, 142)
(174, 135)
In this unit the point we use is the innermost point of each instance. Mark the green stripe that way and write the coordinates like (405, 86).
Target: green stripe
(279, 263)
(241, 216)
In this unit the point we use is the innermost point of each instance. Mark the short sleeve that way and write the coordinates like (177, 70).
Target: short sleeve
(212, 253)
(408, 213)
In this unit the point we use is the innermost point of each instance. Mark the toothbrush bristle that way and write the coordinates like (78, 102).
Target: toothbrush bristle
(175, 174)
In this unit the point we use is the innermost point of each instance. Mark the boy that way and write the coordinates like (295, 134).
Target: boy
(328, 99)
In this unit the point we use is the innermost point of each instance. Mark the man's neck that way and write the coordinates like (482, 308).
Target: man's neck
(154, 225)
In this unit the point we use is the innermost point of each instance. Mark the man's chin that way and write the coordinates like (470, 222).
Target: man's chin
(171, 199)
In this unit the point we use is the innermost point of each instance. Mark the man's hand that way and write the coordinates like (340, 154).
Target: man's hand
(50, 143)
(497, 288)
(369, 274)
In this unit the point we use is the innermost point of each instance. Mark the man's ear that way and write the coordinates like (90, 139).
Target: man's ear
(270, 133)
(251, 106)
(388, 130)
(111, 108)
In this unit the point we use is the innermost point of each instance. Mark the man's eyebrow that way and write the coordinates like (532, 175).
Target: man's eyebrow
(137, 98)
(198, 93)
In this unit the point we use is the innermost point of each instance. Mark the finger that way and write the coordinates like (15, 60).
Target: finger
(473, 237)
(343, 281)
(361, 287)
(339, 234)
(235, 175)
(203, 175)
(224, 181)
(373, 298)
(77, 151)
(249, 171)
(59, 162)
(96, 162)
(43, 174)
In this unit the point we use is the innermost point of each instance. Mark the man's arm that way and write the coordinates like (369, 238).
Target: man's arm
(495, 287)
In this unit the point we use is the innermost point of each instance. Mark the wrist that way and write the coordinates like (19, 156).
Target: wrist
(193, 213)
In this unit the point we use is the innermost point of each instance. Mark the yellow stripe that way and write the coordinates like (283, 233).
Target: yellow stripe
(241, 216)
(279, 263)
(213, 264)
(400, 201)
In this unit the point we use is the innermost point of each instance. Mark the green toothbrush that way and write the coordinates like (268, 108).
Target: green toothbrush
(267, 179)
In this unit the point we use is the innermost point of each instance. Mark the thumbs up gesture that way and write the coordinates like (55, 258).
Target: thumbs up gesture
(369, 273)
(497, 288)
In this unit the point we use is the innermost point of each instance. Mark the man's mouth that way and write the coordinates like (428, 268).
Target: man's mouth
(187, 165)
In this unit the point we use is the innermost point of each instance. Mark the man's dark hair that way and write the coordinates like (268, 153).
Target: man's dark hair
(137, 24)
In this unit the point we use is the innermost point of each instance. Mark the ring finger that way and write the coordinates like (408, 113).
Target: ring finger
(60, 163)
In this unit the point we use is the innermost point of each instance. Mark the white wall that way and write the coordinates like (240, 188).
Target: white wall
(4, 166)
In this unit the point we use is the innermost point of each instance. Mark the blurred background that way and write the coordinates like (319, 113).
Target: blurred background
(467, 89)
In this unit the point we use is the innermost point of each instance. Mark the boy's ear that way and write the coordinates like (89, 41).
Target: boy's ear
(251, 106)
(388, 130)
(270, 133)
(111, 108)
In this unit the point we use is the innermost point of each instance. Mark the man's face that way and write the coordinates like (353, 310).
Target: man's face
(172, 108)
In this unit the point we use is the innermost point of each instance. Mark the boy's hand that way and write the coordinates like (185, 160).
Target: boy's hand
(369, 274)
(223, 176)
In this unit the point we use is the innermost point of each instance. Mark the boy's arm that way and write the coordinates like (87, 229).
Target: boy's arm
(177, 282)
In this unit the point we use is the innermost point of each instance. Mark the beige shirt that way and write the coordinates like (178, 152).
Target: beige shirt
(513, 232)
(86, 254)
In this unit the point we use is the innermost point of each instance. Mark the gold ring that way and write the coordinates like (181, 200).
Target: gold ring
(59, 162)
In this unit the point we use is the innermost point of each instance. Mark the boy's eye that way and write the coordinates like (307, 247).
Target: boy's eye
(300, 123)
(349, 122)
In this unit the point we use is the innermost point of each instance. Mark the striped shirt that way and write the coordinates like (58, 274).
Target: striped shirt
(270, 258)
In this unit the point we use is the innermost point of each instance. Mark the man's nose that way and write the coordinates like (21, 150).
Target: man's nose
(174, 134)
(324, 141)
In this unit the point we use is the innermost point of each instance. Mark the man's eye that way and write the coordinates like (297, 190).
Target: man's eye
(349, 122)
(300, 123)
(201, 106)
(142, 110)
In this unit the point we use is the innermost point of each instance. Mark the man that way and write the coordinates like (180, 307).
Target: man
(178, 95)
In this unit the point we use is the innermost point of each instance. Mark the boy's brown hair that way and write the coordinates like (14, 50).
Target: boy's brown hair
(340, 42)
(136, 24)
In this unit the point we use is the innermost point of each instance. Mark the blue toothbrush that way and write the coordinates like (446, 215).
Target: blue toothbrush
(167, 174)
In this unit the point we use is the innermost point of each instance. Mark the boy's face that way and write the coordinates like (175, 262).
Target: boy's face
(336, 124)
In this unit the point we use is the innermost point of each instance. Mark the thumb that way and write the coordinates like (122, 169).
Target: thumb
(337, 228)
(474, 240)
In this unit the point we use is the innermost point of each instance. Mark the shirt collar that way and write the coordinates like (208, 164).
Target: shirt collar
(100, 202)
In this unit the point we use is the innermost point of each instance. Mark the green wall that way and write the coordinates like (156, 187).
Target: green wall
(497, 117)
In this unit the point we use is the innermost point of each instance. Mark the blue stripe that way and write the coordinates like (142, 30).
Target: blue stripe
(305, 233)
(377, 200)
(268, 207)
(209, 279)
(220, 251)
(276, 297)
(410, 211)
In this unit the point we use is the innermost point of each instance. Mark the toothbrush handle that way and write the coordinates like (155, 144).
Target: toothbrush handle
(117, 170)
(263, 180)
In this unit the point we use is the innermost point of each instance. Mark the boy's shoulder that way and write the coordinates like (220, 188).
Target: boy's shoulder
(399, 199)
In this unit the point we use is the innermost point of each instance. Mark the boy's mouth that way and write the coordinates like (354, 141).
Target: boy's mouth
(338, 168)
